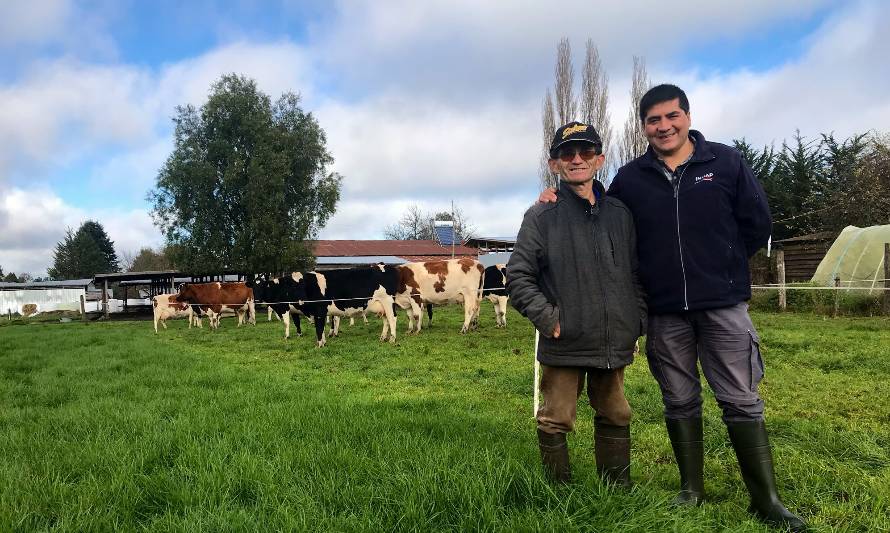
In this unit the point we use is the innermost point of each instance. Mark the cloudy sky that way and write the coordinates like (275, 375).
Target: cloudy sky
(423, 102)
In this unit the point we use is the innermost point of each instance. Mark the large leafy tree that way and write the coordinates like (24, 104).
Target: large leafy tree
(148, 259)
(246, 186)
(84, 253)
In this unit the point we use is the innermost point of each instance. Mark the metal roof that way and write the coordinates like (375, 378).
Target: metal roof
(360, 259)
(497, 258)
(412, 248)
(128, 276)
(58, 284)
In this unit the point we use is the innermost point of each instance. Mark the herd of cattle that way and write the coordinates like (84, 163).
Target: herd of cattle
(377, 289)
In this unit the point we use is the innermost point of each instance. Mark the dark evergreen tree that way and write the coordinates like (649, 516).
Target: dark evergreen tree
(96, 232)
(83, 254)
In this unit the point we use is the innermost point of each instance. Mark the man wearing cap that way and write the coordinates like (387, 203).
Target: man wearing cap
(700, 213)
(573, 275)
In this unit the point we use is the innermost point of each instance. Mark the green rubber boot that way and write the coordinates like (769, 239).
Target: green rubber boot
(555, 456)
(612, 447)
(686, 440)
(752, 449)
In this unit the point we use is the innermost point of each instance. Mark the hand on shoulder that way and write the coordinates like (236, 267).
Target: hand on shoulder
(547, 196)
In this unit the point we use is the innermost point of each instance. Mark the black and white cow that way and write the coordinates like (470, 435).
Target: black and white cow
(494, 281)
(282, 295)
(339, 293)
(348, 291)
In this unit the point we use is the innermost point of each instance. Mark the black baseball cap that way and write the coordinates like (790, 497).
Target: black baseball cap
(574, 131)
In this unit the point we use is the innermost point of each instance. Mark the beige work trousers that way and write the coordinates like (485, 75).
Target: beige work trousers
(562, 386)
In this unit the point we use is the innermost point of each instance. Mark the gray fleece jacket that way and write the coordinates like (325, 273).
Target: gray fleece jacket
(576, 263)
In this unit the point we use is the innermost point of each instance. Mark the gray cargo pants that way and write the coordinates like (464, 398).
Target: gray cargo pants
(726, 344)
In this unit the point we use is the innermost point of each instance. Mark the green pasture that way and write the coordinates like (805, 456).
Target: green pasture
(105, 426)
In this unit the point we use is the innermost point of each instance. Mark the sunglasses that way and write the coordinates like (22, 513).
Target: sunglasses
(567, 155)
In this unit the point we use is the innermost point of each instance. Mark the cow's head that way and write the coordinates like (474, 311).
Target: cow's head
(186, 293)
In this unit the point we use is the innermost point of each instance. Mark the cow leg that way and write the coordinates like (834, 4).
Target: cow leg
(335, 326)
(410, 314)
(269, 312)
(502, 311)
(286, 319)
(388, 320)
(365, 316)
(320, 320)
(156, 322)
(469, 313)
(385, 332)
(251, 309)
(429, 312)
(416, 313)
(297, 320)
(352, 321)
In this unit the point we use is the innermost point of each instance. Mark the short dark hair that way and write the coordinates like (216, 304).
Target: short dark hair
(662, 93)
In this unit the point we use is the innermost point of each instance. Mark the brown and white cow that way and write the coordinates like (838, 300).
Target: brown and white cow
(213, 298)
(165, 307)
(440, 282)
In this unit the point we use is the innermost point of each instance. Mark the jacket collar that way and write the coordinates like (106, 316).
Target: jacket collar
(599, 192)
(702, 151)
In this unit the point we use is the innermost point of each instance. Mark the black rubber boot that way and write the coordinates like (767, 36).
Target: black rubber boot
(555, 456)
(612, 445)
(756, 462)
(686, 439)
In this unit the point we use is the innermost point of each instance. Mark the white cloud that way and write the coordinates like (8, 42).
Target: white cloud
(363, 219)
(36, 219)
(392, 147)
(425, 103)
(64, 110)
(838, 85)
(34, 21)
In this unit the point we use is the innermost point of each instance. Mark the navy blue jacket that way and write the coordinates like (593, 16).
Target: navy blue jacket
(694, 238)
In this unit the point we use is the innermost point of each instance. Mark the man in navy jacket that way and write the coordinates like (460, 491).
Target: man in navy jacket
(700, 213)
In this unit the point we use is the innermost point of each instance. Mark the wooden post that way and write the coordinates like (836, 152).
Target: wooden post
(837, 295)
(83, 307)
(887, 278)
(105, 297)
(780, 268)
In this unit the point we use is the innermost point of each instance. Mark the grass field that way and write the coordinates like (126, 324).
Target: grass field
(107, 426)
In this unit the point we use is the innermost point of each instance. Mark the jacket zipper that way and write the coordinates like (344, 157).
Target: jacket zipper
(679, 241)
(596, 251)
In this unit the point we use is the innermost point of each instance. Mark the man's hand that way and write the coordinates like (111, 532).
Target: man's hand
(555, 334)
(548, 196)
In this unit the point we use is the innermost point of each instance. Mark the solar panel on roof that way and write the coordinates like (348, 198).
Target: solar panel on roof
(447, 236)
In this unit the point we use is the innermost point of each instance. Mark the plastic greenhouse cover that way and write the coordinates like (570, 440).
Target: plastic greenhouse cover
(856, 257)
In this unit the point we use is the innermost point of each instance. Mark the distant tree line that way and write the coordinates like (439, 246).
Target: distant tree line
(417, 224)
(824, 184)
(10, 277)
